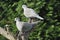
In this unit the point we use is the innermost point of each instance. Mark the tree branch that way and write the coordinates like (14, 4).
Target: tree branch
(6, 34)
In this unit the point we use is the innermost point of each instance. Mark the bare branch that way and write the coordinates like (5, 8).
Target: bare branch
(6, 34)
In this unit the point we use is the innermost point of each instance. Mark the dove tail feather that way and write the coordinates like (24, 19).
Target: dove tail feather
(40, 17)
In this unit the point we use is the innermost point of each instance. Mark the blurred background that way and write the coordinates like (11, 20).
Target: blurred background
(49, 29)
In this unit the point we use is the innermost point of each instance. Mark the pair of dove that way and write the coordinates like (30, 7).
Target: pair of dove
(29, 13)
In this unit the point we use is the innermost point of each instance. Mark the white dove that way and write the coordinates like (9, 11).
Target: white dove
(30, 13)
(23, 26)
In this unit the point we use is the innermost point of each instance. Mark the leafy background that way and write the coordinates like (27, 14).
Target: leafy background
(48, 9)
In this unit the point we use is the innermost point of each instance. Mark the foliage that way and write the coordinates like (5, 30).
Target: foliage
(49, 29)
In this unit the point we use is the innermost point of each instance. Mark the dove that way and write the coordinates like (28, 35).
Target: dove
(23, 26)
(30, 13)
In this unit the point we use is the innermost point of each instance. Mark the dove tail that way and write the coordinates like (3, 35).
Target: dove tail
(40, 18)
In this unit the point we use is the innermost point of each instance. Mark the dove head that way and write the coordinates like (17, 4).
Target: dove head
(17, 19)
(24, 6)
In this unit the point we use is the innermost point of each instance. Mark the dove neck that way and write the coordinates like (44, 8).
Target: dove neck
(17, 21)
(25, 8)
